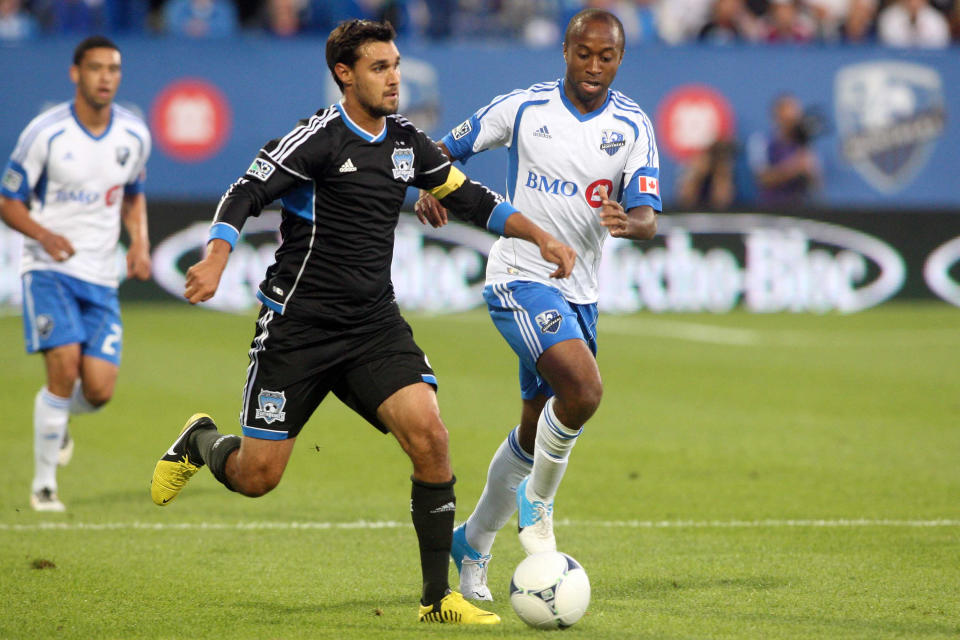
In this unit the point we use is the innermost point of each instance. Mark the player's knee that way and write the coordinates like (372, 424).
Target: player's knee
(430, 442)
(577, 406)
(256, 481)
(98, 396)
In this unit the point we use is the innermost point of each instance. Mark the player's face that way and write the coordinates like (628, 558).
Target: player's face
(376, 78)
(97, 76)
(593, 54)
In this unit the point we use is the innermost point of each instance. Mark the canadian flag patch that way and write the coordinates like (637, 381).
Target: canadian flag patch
(649, 185)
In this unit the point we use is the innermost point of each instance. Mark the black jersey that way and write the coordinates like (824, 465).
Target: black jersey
(341, 190)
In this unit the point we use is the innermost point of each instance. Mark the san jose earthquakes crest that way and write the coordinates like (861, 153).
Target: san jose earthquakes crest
(271, 406)
(402, 164)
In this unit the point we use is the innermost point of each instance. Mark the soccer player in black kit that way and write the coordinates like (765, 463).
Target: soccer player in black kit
(329, 321)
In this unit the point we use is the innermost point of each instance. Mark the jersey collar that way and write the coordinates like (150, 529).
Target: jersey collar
(73, 112)
(353, 126)
(582, 117)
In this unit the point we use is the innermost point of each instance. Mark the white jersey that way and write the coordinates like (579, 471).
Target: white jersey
(73, 183)
(557, 159)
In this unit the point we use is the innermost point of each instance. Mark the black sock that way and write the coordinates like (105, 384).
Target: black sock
(432, 506)
(214, 448)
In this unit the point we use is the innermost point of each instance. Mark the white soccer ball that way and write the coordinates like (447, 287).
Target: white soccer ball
(550, 590)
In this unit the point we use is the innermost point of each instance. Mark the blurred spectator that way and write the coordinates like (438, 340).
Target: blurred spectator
(637, 16)
(681, 20)
(707, 180)
(16, 25)
(72, 16)
(201, 18)
(913, 23)
(785, 22)
(836, 20)
(283, 17)
(730, 21)
(786, 169)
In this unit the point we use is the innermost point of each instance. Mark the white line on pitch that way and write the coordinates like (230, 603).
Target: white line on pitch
(390, 524)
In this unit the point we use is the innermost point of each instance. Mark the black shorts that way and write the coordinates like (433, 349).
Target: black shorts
(293, 365)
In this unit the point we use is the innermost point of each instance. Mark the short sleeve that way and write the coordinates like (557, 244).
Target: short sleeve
(488, 128)
(642, 172)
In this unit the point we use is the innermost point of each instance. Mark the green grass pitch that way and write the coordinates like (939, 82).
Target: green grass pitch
(747, 476)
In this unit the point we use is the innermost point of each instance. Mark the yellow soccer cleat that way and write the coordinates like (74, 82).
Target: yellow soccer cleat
(175, 467)
(454, 609)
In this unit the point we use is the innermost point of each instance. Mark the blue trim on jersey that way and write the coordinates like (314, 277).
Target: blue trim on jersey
(133, 188)
(41, 189)
(429, 379)
(264, 434)
(636, 129)
(582, 117)
(299, 201)
(23, 191)
(634, 198)
(369, 137)
(498, 217)
(462, 149)
(51, 117)
(270, 304)
(224, 231)
(73, 112)
(513, 159)
(647, 126)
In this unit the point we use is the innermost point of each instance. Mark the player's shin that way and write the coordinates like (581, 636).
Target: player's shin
(50, 416)
(498, 502)
(213, 449)
(553, 445)
(432, 508)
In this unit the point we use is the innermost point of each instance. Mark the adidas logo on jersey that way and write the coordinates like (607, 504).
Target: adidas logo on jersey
(542, 132)
(348, 166)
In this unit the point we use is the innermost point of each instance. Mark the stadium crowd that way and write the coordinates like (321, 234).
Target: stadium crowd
(897, 23)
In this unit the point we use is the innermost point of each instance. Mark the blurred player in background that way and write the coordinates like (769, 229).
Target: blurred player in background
(77, 171)
(329, 320)
(576, 149)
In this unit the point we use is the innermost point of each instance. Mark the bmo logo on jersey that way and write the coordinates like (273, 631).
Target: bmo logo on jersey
(556, 186)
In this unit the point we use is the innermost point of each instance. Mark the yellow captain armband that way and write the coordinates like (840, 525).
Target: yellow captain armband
(455, 179)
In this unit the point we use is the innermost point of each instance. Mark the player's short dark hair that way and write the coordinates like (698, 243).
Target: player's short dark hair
(345, 41)
(579, 21)
(93, 42)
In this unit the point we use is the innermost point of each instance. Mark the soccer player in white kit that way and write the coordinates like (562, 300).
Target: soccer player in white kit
(77, 172)
(576, 151)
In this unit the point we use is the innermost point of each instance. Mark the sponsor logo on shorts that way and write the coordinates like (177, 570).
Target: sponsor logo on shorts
(461, 130)
(549, 321)
(271, 406)
(261, 169)
(44, 326)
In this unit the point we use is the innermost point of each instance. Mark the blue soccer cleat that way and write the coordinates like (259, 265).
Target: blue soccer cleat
(471, 565)
(534, 522)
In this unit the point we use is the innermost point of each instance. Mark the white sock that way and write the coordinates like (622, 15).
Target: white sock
(553, 445)
(498, 502)
(78, 403)
(50, 415)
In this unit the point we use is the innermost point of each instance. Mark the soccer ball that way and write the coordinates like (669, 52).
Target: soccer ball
(550, 590)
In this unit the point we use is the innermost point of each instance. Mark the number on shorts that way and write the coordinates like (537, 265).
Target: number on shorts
(110, 342)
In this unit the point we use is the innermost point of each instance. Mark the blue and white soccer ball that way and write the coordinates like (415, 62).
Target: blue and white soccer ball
(550, 590)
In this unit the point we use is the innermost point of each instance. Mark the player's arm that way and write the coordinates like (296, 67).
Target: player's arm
(428, 208)
(637, 223)
(17, 216)
(133, 213)
(477, 204)
(246, 197)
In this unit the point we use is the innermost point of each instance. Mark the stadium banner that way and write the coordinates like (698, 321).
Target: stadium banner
(889, 140)
(812, 261)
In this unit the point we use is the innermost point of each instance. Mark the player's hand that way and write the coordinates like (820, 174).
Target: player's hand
(559, 254)
(612, 215)
(430, 211)
(138, 262)
(56, 245)
(203, 278)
